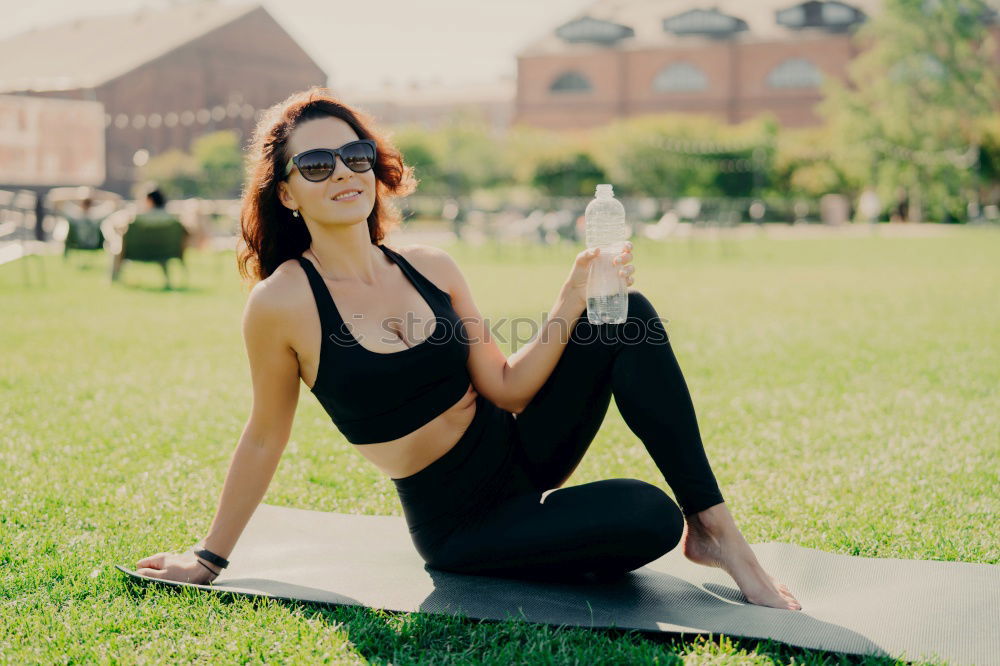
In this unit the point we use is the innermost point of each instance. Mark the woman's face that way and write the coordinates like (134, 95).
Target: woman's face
(315, 201)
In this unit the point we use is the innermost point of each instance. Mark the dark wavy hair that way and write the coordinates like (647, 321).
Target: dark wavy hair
(270, 233)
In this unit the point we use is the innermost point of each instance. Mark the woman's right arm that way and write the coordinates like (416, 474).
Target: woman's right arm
(274, 371)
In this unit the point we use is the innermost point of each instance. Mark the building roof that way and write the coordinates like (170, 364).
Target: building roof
(753, 20)
(87, 52)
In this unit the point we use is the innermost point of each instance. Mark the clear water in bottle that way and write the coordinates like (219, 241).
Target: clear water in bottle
(607, 291)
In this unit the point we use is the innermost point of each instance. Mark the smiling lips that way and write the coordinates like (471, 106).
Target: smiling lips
(354, 194)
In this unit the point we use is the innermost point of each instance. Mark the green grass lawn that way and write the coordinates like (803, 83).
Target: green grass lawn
(847, 392)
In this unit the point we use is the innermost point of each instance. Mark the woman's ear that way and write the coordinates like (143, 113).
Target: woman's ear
(285, 196)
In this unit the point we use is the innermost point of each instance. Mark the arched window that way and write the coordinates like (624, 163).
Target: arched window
(570, 82)
(795, 73)
(680, 77)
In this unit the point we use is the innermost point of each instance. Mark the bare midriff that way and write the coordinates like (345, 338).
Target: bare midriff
(406, 455)
(412, 452)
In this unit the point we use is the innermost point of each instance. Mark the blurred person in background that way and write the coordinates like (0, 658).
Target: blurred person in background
(84, 218)
(153, 209)
(869, 205)
(901, 210)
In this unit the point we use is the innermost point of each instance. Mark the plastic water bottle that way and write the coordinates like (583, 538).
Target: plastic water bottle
(607, 291)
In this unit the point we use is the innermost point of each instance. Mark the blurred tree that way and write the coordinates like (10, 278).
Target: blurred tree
(989, 156)
(455, 158)
(220, 164)
(175, 172)
(674, 155)
(525, 147)
(634, 152)
(911, 113)
(468, 155)
(415, 145)
(573, 176)
(213, 169)
(803, 166)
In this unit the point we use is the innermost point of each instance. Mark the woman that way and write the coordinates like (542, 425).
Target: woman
(477, 445)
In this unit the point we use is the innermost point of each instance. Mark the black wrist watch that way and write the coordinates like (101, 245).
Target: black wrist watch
(209, 556)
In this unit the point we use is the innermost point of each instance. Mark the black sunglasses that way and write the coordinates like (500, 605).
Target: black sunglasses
(317, 164)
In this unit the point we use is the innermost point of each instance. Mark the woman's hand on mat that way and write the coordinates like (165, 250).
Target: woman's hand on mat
(183, 567)
(576, 283)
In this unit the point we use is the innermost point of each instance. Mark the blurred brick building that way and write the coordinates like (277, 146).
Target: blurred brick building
(165, 76)
(729, 58)
(431, 104)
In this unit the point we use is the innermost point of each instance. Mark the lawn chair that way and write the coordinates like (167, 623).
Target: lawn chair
(154, 238)
(82, 233)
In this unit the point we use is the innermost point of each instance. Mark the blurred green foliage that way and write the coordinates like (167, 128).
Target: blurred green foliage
(919, 113)
(920, 107)
(213, 169)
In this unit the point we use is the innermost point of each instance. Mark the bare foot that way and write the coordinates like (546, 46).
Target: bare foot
(711, 538)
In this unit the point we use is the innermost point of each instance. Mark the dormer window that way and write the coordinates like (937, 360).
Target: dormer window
(830, 15)
(571, 82)
(707, 22)
(594, 31)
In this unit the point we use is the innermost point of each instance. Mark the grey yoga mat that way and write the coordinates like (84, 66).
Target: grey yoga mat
(907, 609)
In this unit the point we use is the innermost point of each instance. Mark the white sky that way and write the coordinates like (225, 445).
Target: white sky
(450, 41)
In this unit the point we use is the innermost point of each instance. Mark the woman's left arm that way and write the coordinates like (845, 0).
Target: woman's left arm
(511, 383)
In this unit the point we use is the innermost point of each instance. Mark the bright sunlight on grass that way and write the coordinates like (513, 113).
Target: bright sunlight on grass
(847, 392)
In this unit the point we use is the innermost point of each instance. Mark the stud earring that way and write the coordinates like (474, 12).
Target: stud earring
(295, 213)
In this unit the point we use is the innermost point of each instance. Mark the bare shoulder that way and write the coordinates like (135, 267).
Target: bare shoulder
(436, 264)
(279, 296)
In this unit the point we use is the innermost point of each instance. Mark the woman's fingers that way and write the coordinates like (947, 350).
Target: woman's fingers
(184, 568)
(153, 561)
(625, 256)
(622, 258)
(626, 273)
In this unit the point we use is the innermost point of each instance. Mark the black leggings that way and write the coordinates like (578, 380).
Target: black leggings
(479, 508)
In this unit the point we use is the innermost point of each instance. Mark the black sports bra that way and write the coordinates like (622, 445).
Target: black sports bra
(375, 397)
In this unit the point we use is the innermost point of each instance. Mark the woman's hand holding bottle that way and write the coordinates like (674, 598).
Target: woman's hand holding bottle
(575, 287)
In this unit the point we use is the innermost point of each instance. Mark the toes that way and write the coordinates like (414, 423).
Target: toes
(793, 603)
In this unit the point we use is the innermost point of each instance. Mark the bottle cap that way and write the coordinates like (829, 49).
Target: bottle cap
(605, 190)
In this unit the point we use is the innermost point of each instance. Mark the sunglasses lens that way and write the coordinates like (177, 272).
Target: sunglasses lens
(317, 165)
(358, 156)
